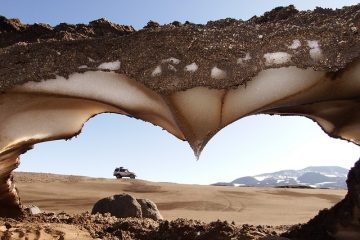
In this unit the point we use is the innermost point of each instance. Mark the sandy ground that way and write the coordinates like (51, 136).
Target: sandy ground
(257, 206)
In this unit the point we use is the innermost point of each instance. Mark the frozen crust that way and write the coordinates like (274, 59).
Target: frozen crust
(174, 57)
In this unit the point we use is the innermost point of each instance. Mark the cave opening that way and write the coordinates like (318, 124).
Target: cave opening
(250, 146)
(256, 144)
(192, 80)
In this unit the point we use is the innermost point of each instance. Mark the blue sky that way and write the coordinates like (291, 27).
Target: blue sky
(250, 146)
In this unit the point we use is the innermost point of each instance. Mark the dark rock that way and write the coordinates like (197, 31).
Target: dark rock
(176, 23)
(121, 205)
(7, 225)
(277, 14)
(152, 24)
(12, 31)
(9, 25)
(149, 209)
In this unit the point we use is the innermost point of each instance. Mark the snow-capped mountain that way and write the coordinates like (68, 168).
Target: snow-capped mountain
(317, 177)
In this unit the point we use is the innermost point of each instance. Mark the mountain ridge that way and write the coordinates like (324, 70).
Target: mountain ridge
(312, 176)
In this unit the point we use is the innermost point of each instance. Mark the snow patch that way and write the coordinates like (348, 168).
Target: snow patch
(323, 183)
(330, 175)
(112, 66)
(261, 178)
(295, 44)
(315, 50)
(276, 58)
(244, 59)
(157, 71)
(193, 67)
(171, 60)
(217, 73)
(172, 68)
(239, 185)
(83, 66)
(313, 44)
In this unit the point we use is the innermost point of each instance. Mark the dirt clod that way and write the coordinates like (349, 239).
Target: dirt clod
(109, 227)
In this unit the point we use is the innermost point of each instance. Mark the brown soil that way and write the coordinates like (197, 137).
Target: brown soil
(86, 226)
(220, 212)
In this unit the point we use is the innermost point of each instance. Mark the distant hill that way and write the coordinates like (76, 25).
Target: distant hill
(316, 177)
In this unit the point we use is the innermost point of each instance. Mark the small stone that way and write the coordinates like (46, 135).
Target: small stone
(176, 23)
(32, 210)
(152, 24)
(7, 225)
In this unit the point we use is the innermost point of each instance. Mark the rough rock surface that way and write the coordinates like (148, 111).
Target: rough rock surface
(149, 209)
(121, 206)
(13, 31)
(124, 205)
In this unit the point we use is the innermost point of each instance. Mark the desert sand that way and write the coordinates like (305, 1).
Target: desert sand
(191, 212)
(243, 205)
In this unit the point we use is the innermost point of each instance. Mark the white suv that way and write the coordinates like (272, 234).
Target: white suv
(123, 172)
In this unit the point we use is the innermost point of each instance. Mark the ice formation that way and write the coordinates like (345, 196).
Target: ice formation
(187, 79)
(295, 44)
(218, 73)
(193, 67)
(157, 71)
(315, 50)
(243, 60)
(112, 66)
(276, 58)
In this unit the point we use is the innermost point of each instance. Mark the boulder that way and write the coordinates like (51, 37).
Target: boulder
(124, 205)
(121, 205)
(149, 209)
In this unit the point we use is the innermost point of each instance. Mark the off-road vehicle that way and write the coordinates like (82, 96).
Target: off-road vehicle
(123, 172)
